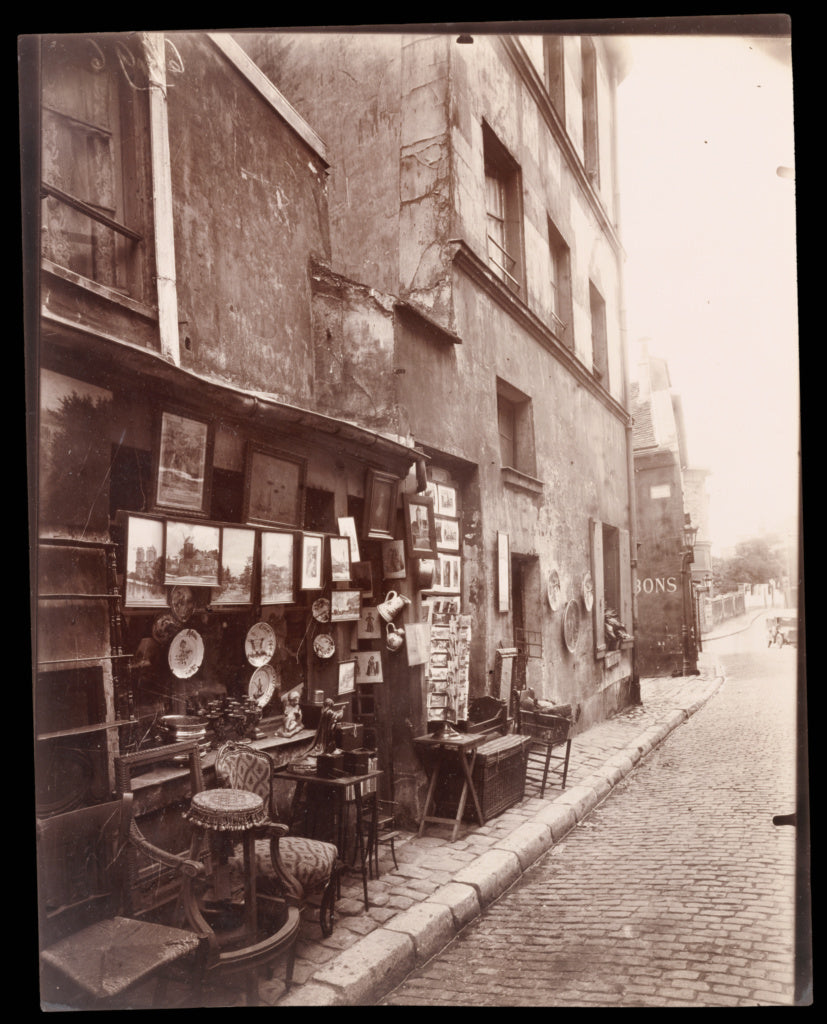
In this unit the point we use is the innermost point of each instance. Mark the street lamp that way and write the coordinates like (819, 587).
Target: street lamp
(689, 651)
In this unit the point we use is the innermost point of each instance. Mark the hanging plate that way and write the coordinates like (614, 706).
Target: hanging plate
(260, 644)
(186, 652)
(555, 591)
(571, 625)
(323, 645)
(588, 592)
(182, 603)
(164, 628)
(262, 685)
(321, 610)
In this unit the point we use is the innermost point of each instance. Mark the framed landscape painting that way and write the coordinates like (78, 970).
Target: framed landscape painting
(183, 459)
(235, 585)
(191, 554)
(144, 576)
(278, 573)
(274, 488)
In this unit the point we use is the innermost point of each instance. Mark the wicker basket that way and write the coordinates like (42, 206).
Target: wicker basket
(499, 779)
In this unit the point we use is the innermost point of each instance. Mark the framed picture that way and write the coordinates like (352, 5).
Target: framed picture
(235, 580)
(420, 534)
(339, 559)
(312, 556)
(347, 676)
(345, 605)
(380, 505)
(144, 569)
(447, 533)
(278, 568)
(503, 570)
(191, 554)
(393, 560)
(446, 500)
(370, 624)
(504, 659)
(449, 574)
(183, 462)
(361, 576)
(368, 667)
(274, 488)
(347, 528)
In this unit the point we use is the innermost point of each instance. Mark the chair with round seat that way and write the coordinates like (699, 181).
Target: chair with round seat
(300, 867)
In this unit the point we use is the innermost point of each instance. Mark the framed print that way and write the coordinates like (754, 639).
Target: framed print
(191, 554)
(144, 570)
(361, 576)
(380, 505)
(393, 560)
(370, 624)
(347, 528)
(447, 533)
(278, 569)
(312, 561)
(420, 535)
(368, 667)
(347, 676)
(183, 462)
(339, 559)
(446, 500)
(235, 580)
(345, 605)
(449, 573)
(273, 488)
(503, 569)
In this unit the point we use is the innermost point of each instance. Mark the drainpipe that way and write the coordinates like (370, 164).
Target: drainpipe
(154, 49)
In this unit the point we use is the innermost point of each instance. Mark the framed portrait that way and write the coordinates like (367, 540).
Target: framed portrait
(449, 574)
(368, 667)
(144, 569)
(273, 488)
(393, 560)
(183, 463)
(380, 505)
(370, 624)
(420, 534)
(339, 559)
(447, 533)
(312, 561)
(347, 676)
(347, 528)
(361, 576)
(345, 605)
(278, 568)
(191, 554)
(235, 579)
(503, 570)
(446, 500)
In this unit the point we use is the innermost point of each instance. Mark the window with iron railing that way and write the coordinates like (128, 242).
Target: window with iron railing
(560, 281)
(503, 212)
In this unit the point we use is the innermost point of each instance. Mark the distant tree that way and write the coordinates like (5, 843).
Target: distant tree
(757, 560)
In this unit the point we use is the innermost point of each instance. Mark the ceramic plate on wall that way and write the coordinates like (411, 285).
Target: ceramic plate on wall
(262, 685)
(260, 644)
(186, 652)
(321, 610)
(555, 590)
(571, 625)
(164, 627)
(588, 591)
(182, 603)
(323, 645)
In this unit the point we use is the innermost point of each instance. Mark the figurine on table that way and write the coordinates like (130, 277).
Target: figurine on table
(325, 741)
(292, 715)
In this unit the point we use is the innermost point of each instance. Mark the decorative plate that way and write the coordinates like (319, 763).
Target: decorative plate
(260, 644)
(262, 685)
(182, 603)
(186, 652)
(588, 592)
(321, 610)
(571, 625)
(555, 591)
(324, 646)
(164, 627)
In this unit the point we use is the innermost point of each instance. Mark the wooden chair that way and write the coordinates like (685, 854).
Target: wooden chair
(301, 866)
(549, 733)
(92, 955)
(382, 832)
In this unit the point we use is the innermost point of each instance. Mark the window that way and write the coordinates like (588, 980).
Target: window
(560, 280)
(611, 579)
(600, 350)
(515, 429)
(503, 211)
(589, 99)
(84, 174)
(553, 60)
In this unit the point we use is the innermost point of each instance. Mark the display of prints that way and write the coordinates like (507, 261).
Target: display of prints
(347, 528)
(191, 554)
(447, 533)
(368, 667)
(345, 605)
(446, 500)
(420, 533)
(183, 450)
(447, 669)
(312, 561)
(347, 676)
(278, 572)
(370, 624)
(235, 584)
(144, 576)
(339, 559)
(447, 573)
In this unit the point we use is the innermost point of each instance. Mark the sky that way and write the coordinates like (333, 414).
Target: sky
(708, 225)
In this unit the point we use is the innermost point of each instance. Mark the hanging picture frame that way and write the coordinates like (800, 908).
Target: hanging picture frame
(312, 561)
(380, 505)
(446, 500)
(503, 572)
(420, 533)
(144, 570)
(278, 570)
(192, 553)
(339, 548)
(447, 533)
(235, 582)
(182, 463)
(504, 661)
(393, 560)
(361, 576)
(273, 487)
(347, 528)
(368, 667)
(347, 677)
(345, 605)
(370, 624)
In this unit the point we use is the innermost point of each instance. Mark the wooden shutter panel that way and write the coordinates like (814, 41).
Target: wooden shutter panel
(625, 609)
(599, 610)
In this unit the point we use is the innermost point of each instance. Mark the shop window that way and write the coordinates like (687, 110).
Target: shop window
(516, 431)
(612, 580)
(319, 511)
(600, 347)
(227, 495)
(88, 161)
(554, 74)
(503, 208)
(589, 99)
(560, 280)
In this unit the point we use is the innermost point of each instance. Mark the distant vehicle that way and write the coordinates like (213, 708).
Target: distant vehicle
(782, 630)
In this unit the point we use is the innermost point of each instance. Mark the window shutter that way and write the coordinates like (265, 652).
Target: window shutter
(625, 581)
(599, 610)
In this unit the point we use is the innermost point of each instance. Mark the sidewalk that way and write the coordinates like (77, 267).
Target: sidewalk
(441, 886)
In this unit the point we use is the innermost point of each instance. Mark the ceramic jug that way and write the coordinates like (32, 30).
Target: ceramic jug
(392, 605)
(394, 638)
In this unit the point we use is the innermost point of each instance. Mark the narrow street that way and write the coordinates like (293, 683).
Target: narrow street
(678, 890)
